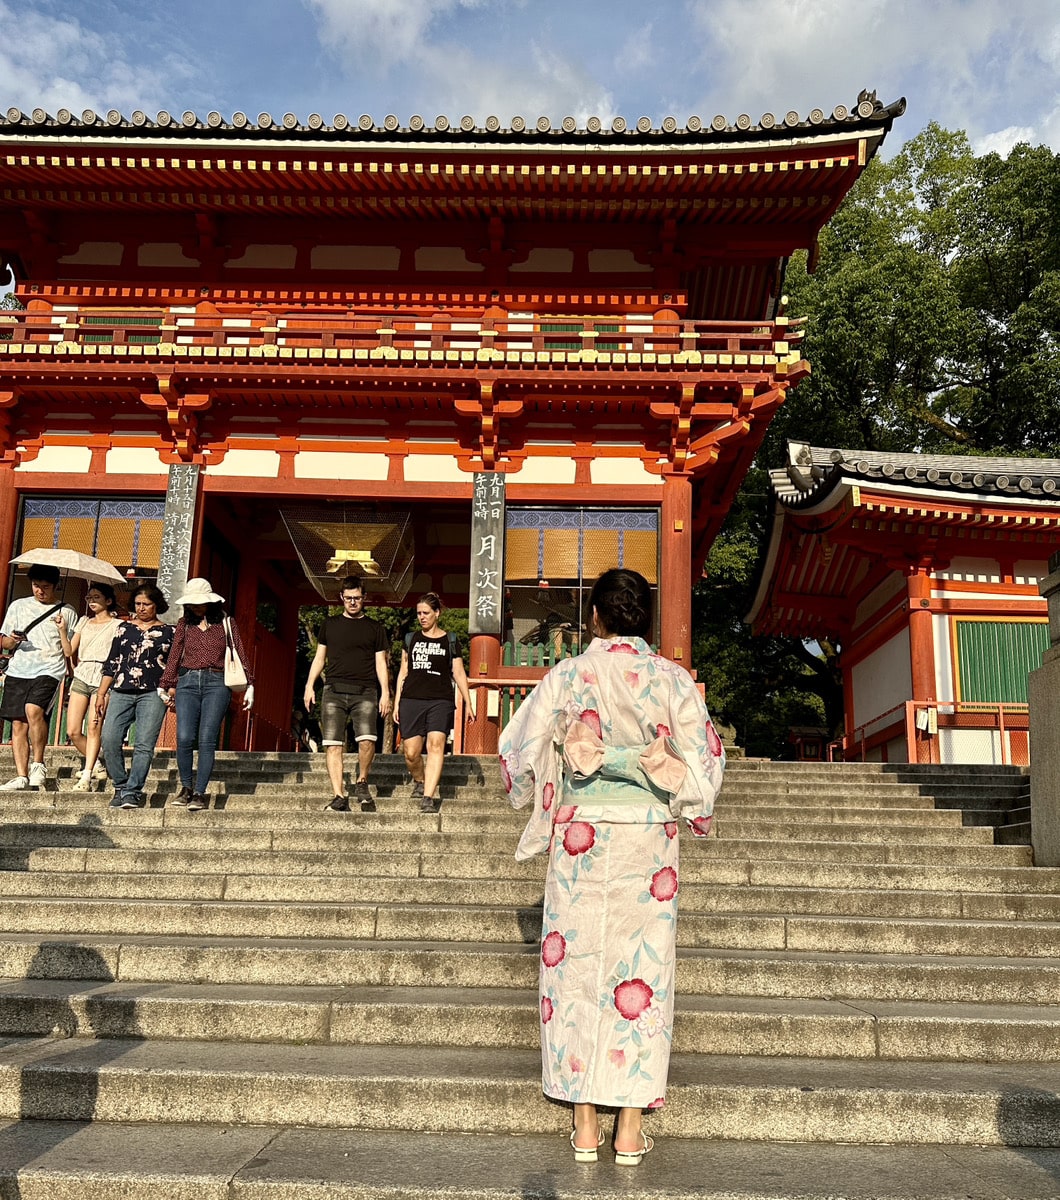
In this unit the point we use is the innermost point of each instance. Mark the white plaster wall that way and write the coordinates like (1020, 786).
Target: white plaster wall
(257, 463)
(940, 630)
(70, 459)
(882, 680)
(972, 570)
(135, 460)
(630, 471)
(1030, 570)
(325, 464)
(435, 468)
(545, 469)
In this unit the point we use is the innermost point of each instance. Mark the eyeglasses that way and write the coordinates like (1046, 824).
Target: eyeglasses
(352, 599)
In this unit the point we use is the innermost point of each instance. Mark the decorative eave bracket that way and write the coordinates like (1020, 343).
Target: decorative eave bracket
(181, 413)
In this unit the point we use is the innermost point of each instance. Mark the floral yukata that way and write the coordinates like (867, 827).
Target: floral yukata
(615, 748)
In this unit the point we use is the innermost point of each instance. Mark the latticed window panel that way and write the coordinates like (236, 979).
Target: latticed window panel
(552, 558)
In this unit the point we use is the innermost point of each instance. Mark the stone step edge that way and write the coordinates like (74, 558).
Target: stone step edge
(796, 1099)
(170, 1162)
(311, 1015)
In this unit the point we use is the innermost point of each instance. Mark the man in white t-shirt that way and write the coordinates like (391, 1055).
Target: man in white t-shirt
(34, 632)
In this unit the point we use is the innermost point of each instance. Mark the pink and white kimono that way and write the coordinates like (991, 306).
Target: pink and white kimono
(615, 748)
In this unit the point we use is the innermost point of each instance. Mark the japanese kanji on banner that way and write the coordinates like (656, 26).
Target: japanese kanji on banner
(486, 601)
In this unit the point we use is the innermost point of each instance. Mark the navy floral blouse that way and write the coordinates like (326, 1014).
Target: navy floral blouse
(138, 657)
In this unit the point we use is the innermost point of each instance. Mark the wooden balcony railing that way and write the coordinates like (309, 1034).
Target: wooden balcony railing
(620, 339)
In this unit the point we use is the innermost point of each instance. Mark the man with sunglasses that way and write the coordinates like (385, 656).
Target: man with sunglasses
(356, 689)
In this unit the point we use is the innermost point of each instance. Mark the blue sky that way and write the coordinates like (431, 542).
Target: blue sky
(988, 66)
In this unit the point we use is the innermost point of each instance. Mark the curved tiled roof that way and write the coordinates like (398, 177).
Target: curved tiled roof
(814, 471)
(867, 113)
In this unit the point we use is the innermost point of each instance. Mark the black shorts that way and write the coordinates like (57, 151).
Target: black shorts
(417, 718)
(41, 691)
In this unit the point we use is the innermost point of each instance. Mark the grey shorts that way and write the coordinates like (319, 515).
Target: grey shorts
(78, 687)
(337, 709)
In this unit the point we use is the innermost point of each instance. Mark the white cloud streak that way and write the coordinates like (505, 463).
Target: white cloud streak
(962, 63)
(411, 36)
(56, 62)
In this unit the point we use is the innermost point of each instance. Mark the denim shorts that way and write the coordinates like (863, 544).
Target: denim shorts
(337, 709)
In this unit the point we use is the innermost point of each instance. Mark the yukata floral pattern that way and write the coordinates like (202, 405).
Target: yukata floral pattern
(610, 912)
(138, 657)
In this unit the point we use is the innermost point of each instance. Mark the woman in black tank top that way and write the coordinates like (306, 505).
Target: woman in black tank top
(423, 705)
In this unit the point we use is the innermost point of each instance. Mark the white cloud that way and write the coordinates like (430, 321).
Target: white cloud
(56, 62)
(962, 63)
(460, 73)
(1002, 140)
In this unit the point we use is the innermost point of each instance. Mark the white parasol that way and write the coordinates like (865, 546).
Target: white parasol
(72, 562)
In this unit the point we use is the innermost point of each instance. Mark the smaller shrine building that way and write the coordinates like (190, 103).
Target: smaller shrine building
(924, 569)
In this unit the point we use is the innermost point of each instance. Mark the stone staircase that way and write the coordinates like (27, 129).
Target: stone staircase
(265, 1000)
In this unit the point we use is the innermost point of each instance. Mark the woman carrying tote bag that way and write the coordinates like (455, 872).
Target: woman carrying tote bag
(207, 651)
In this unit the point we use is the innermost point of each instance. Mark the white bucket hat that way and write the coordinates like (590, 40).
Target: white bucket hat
(198, 591)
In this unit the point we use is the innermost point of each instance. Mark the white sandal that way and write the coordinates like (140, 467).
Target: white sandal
(585, 1154)
(631, 1158)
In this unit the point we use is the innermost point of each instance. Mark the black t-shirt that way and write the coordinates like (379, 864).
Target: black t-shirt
(430, 674)
(352, 643)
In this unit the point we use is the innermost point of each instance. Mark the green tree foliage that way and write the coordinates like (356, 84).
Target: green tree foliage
(932, 323)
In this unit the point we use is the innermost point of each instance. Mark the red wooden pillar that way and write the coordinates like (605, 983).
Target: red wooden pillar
(8, 524)
(481, 737)
(922, 653)
(675, 581)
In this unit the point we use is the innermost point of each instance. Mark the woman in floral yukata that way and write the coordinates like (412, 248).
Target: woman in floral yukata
(615, 748)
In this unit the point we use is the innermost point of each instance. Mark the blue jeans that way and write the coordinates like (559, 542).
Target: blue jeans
(202, 701)
(123, 708)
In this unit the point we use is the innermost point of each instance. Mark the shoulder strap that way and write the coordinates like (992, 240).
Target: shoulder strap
(454, 645)
(44, 616)
(408, 638)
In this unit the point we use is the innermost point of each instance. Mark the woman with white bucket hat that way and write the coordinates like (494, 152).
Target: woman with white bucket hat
(195, 679)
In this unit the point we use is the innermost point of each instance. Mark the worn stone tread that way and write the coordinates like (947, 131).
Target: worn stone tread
(52, 1160)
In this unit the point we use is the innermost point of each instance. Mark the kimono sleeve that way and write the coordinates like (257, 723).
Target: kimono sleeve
(527, 745)
(703, 752)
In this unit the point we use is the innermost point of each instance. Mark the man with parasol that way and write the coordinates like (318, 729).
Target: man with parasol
(33, 630)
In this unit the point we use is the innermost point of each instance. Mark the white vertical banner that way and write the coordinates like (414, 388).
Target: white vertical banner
(486, 602)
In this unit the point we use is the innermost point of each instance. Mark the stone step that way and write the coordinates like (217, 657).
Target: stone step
(230, 885)
(366, 832)
(282, 811)
(460, 923)
(72, 1160)
(697, 866)
(508, 1017)
(471, 1090)
(763, 973)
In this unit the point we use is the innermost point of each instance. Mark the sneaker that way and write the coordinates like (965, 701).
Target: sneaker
(182, 797)
(430, 804)
(38, 773)
(99, 772)
(338, 804)
(198, 802)
(363, 794)
(417, 791)
(133, 800)
(116, 802)
(84, 782)
(16, 784)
